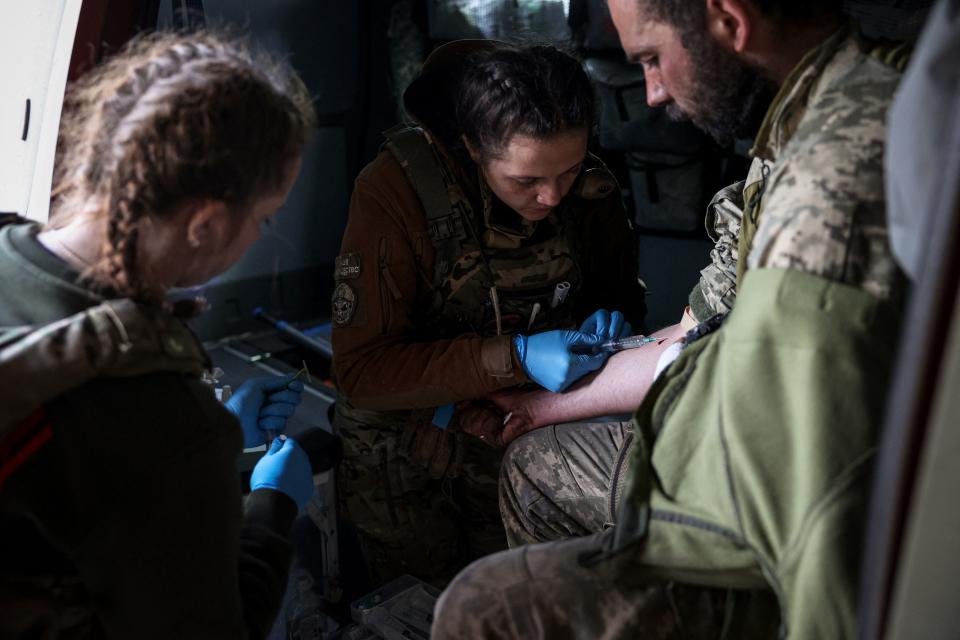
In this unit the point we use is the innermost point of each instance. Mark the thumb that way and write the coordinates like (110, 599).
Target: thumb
(276, 445)
(275, 383)
(515, 427)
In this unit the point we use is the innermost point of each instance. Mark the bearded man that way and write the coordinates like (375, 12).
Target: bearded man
(734, 501)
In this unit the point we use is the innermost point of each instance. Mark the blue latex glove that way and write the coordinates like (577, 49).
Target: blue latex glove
(609, 325)
(264, 403)
(285, 468)
(547, 359)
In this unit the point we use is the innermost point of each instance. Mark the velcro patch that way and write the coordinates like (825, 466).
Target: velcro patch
(344, 304)
(347, 266)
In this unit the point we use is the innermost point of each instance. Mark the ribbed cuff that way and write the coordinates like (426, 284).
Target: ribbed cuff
(271, 508)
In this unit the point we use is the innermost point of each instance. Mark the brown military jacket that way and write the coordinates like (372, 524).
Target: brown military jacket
(382, 362)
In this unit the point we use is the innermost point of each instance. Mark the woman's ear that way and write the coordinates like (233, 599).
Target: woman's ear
(474, 154)
(207, 224)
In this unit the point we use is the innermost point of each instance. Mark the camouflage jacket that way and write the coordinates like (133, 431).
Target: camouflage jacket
(389, 355)
(813, 198)
(758, 441)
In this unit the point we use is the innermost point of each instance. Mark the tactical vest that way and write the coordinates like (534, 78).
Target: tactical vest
(478, 288)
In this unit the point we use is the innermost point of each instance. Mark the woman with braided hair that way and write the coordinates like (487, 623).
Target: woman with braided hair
(478, 240)
(128, 521)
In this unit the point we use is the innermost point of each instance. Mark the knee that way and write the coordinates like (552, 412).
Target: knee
(520, 463)
(470, 606)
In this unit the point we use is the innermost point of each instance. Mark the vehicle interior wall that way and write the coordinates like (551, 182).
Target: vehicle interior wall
(337, 48)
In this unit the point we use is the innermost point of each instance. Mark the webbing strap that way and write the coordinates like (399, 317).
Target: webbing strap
(446, 208)
(427, 175)
(23, 441)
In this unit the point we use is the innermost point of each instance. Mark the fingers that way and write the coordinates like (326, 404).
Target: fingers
(591, 363)
(278, 409)
(482, 421)
(614, 326)
(272, 423)
(515, 427)
(276, 383)
(597, 322)
(286, 395)
(277, 444)
(608, 325)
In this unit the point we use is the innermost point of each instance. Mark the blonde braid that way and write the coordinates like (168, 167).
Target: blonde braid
(165, 121)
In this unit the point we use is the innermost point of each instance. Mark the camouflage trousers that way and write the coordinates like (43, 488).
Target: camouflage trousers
(563, 481)
(568, 589)
(407, 521)
(560, 487)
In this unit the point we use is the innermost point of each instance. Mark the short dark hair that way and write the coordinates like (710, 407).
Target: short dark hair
(689, 16)
(535, 90)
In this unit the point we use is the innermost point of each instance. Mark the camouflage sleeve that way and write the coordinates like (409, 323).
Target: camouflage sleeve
(717, 289)
(824, 212)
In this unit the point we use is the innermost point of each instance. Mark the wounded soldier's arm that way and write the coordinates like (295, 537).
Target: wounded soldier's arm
(617, 388)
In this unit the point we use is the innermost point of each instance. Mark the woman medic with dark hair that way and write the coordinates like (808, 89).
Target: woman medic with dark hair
(479, 240)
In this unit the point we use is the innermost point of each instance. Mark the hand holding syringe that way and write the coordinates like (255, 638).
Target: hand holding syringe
(613, 346)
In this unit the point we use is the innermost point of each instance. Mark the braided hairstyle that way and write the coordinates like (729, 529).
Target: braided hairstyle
(173, 118)
(536, 91)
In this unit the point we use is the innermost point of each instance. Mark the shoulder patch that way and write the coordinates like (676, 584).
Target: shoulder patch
(595, 183)
(347, 266)
(344, 304)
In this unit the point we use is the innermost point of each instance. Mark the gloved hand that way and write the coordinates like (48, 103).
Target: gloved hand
(264, 403)
(438, 451)
(609, 325)
(285, 468)
(547, 359)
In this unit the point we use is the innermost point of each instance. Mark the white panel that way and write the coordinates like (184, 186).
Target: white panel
(927, 593)
(36, 40)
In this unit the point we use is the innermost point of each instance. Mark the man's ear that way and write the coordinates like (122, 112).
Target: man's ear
(730, 23)
(207, 224)
(474, 154)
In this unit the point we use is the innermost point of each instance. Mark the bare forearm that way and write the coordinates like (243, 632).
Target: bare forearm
(618, 387)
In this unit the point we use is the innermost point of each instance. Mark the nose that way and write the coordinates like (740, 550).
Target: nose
(549, 195)
(656, 93)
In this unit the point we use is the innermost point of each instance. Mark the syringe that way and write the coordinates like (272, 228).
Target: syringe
(612, 346)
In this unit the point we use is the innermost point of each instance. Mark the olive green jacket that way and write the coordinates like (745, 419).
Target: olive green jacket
(129, 522)
(760, 475)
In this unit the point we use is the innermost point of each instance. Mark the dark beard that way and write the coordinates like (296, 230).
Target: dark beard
(732, 98)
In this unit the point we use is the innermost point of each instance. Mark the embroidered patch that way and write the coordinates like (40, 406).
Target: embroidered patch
(347, 266)
(344, 304)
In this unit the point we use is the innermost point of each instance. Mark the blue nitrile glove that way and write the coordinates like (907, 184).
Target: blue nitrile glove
(609, 325)
(264, 403)
(285, 468)
(547, 359)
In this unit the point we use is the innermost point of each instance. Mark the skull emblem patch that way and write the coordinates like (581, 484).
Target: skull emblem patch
(344, 304)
